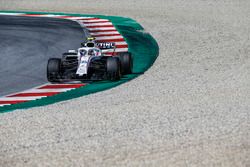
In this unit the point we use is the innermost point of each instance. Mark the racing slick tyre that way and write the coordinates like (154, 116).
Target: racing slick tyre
(53, 69)
(113, 69)
(126, 63)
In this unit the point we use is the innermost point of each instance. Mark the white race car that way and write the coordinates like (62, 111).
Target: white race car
(88, 63)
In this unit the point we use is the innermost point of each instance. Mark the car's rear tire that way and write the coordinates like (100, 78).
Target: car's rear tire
(126, 63)
(53, 69)
(113, 68)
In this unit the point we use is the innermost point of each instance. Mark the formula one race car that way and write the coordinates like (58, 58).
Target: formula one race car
(89, 63)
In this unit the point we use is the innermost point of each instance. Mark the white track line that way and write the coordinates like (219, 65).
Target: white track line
(98, 24)
(116, 50)
(77, 18)
(46, 90)
(100, 33)
(21, 98)
(14, 14)
(97, 20)
(101, 28)
(109, 37)
(120, 43)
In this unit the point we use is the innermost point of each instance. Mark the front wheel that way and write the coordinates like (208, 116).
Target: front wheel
(113, 69)
(53, 69)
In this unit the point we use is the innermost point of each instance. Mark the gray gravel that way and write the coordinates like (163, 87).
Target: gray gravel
(190, 109)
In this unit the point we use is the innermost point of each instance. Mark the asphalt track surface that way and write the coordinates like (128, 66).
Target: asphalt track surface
(191, 108)
(25, 46)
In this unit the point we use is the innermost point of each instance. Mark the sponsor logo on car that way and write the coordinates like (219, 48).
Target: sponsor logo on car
(106, 45)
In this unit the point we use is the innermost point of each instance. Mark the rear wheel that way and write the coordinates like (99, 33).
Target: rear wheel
(53, 69)
(113, 68)
(126, 62)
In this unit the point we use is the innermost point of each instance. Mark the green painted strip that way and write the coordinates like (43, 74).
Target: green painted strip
(143, 47)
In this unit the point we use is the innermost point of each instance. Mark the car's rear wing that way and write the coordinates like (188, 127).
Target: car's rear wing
(106, 45)
(101, 45)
